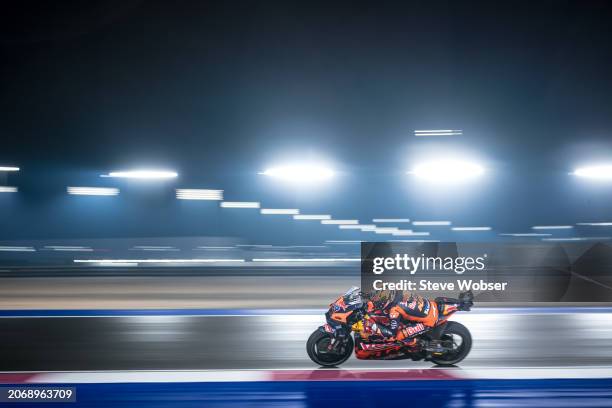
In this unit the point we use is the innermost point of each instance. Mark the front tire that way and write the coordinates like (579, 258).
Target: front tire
(317, 348)
(457, 337)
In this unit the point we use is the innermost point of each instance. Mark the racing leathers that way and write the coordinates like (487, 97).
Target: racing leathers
(417, 310)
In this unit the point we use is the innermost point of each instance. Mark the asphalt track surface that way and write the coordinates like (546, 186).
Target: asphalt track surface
(502, 338)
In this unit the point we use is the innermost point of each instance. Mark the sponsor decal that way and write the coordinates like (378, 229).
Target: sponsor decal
(412, 330)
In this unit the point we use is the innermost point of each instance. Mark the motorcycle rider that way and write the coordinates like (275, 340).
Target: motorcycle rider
(416, 312)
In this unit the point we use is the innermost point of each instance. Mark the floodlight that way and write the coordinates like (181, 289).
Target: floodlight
(311, 217)
(552, 227)
(239, 204)
(142, 174)
(447, 170)
(95, 191)
(280, 211)
(438, 132)
(198, 194)
(299, 173)
(340, 222)
(430, 223)
(598, 172)
(471, 228)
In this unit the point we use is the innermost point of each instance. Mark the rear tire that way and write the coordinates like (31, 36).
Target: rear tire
(317, 349)
(452, 332)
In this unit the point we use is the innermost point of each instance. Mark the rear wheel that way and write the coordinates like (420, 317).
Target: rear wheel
(321, 350)
(458, 340)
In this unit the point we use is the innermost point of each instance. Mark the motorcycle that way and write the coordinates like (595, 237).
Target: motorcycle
(349, 324)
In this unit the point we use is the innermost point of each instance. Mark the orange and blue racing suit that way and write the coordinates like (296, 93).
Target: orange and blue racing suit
(419, 311)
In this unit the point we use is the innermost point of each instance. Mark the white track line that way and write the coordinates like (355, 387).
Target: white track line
(162, 376)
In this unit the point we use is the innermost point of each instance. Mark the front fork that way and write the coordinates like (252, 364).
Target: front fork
(337, 335)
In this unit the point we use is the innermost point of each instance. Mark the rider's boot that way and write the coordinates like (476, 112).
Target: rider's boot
(382, 333)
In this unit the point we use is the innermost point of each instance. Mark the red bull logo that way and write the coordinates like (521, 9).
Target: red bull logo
(412, 330)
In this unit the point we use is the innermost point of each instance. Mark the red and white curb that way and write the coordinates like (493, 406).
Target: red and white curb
(89, 377)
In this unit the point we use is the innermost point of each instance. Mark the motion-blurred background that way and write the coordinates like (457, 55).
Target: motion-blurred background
(139, 138)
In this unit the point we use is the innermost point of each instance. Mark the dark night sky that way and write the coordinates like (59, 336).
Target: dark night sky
(218, 90)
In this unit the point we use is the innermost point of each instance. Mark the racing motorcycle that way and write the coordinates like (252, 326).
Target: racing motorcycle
(349, 323)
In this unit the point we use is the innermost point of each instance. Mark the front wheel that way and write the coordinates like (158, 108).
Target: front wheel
(321, 351)
(458, 342)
